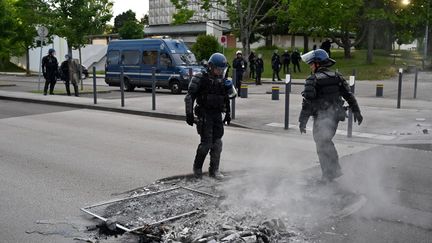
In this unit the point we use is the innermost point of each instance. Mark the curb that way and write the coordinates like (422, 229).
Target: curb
(109, 109)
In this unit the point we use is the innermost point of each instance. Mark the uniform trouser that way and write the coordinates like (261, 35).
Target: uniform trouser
(258, 77)
(276, 73)
(286, 67)
(324, 129)
(296, 65)
(239, 79)
(50, 81)
(252, 71)
(211, 131)
(74, 84)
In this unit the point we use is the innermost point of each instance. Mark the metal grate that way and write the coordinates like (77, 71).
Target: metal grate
(137, 212)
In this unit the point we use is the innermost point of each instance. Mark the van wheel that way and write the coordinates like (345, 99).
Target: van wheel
(148, 90)
(127, 86)
(175, 87)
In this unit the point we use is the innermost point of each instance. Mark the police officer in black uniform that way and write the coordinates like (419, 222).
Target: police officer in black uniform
(212, 92)
(322, 99)
(50, 71)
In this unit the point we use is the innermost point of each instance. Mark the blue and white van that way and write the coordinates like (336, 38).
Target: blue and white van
(171, 59)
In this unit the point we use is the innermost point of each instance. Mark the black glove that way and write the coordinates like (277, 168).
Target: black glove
(358, 117)
(227, 118)
(302, 128)
(190, 119)
(45, 75)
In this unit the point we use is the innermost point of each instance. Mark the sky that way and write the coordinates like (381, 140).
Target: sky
(140, 7)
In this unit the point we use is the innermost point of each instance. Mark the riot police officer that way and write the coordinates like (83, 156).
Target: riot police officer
(50, 71)
(212, 91)
(322, 99)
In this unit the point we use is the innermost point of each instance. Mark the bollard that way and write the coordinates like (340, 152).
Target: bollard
(350, 114)
(233, 101)
(379, 90)
(399, 88)
(153, 88)
(94, 86)
(415, 83)
(122, 87)
(275, 92)
(287, 99)
(244, 91)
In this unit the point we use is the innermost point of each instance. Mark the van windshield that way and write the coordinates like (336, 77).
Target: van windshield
(184, 58)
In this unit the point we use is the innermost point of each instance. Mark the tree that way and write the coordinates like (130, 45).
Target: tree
(122, 18)
(29, 14)
(245, 16)
(205, 46)
(131, 30)
(8, 33)
(338, 19)
(76, 19)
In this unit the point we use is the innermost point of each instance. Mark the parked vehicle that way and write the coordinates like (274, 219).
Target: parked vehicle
(171, 60)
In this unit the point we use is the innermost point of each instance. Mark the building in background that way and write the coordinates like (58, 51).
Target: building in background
(214, 22)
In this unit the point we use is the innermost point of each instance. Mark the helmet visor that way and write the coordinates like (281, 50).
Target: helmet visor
(220, 71)
(308, 57)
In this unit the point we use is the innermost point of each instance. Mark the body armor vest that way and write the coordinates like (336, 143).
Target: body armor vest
(213, 95)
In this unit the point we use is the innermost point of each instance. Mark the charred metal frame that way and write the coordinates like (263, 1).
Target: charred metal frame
(87, 209)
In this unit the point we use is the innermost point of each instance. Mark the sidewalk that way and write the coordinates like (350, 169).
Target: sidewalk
(382, 121)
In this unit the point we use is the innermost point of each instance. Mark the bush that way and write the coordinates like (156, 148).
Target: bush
(205, 46)
(271, 48)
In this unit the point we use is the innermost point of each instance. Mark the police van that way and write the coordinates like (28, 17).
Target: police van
(170, 58)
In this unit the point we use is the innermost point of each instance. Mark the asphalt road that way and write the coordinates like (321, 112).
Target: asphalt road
(55, 160)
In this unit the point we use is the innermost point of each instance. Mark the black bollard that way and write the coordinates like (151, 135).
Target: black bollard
(153, 88)
(244, 91)
(122, 87)
(287, 99)
(350, 114)
(399, 89)
(415, 82)
(379, 90)
(275, 92)
(94, 86)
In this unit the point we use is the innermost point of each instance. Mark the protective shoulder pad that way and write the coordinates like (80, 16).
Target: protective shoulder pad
(194, 84)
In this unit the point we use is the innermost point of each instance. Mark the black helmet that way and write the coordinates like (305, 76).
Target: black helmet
(218, 61)
(319, 56)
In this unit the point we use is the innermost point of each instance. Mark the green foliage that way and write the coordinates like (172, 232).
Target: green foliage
(76, 19)
(122, 18)
(205, 46)
(7, 33)
(131, 30)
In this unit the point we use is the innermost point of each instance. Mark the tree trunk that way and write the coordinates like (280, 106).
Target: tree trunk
(305, 43)
(346, 45)
(28, 61)
(269, 40)
(370, 42)
(70, 51)
(293, 40)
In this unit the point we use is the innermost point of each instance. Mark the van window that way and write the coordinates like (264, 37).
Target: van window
(165, 60)
(150, 58)
(113, 57)
(130, 57)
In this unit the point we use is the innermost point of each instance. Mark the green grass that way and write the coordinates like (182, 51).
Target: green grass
(10, 67)
(382, 67)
